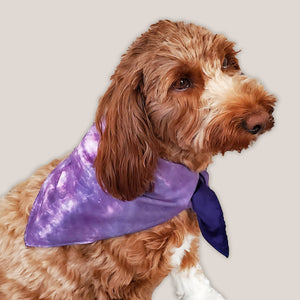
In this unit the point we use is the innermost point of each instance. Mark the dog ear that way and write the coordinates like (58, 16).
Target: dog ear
(127, 152)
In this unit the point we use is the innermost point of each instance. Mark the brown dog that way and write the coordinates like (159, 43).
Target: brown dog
(179, 94)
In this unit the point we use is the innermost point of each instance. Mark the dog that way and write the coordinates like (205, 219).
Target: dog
(177, 94)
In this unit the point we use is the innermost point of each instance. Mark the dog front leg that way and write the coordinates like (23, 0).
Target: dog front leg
(188, 277)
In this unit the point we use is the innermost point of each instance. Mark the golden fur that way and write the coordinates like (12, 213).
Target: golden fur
(111, 269)
(177, 93)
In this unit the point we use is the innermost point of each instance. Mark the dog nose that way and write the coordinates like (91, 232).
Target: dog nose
(256, 122)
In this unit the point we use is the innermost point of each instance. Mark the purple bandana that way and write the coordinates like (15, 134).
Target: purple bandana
(71, 208)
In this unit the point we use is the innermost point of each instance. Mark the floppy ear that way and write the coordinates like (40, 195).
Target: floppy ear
(127, 152)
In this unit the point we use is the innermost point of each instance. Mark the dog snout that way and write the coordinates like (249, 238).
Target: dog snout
(257, 122)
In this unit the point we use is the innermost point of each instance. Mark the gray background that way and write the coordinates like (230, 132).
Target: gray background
(55, 61)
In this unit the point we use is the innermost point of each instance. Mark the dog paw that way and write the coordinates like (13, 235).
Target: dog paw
(208, 296)
(212, 295)
(204, 293)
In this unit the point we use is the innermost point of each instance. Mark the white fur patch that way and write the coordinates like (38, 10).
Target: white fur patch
(190, 283)
(219, 89)
(178, 253)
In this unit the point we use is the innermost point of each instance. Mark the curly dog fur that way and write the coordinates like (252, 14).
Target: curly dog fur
(179, 94)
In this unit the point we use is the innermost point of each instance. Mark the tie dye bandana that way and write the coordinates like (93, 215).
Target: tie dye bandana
(71, 208)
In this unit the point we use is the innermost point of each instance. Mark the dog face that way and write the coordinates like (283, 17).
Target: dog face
(178, 93)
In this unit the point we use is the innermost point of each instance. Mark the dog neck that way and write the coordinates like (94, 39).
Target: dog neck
(196, 162)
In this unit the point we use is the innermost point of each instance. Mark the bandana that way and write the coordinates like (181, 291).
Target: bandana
(71, 208)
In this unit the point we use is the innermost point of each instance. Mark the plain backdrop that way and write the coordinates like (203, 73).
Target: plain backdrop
(56, 58)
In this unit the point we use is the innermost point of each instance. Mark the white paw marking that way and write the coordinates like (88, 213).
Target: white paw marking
(191, 283)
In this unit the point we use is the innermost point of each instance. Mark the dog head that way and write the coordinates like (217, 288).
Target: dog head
(178, 93)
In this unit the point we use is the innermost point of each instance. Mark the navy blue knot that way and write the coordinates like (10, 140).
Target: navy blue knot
(210, 216)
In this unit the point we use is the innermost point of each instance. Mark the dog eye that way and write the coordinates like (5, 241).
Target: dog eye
(225, 63)
(182, 84)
